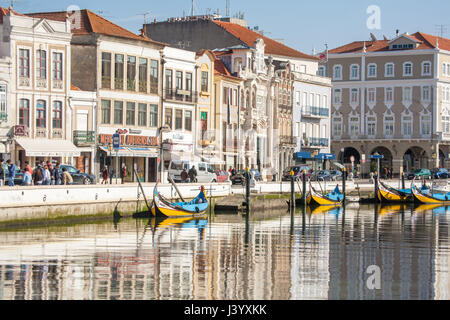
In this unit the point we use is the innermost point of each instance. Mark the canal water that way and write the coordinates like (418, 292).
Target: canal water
(360, 252)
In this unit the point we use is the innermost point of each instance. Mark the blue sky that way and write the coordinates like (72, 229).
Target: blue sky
(303, 24)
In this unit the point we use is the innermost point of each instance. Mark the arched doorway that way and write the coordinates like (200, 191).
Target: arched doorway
(415, 158)
(441, 159)
(347, 155)
(386, 164)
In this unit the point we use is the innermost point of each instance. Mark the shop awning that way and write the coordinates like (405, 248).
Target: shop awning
(133, 152)
(213, 160)
(40, 147)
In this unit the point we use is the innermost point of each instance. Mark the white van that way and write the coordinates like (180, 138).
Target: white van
(205, 172)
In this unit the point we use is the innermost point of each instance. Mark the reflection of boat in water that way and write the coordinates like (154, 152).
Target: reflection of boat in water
(434, 208)
(384, 209)
(387, 194)
(334, 198)
(429, 197)
(324, 209)
(162, 206)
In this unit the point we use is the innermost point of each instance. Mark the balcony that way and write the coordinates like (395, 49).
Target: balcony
(181, 95)
(284, 108)
(288, 140)
(312, 111)
(315, 142)
(83, 137)
(3, 116)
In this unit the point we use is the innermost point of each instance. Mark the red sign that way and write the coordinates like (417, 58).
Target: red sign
(20, 131)
(121, 131)
(130, 140)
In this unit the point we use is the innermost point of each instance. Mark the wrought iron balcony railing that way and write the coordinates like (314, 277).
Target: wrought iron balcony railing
(315, 111)
(83, 137)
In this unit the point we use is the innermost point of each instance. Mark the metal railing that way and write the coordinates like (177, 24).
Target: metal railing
(181, 95)
(83, 137)
(288, 140)
(315, 142)
(315, 111)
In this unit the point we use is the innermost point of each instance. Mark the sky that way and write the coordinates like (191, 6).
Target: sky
(304, 25)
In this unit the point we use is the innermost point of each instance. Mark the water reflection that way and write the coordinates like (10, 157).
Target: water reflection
(309, 254)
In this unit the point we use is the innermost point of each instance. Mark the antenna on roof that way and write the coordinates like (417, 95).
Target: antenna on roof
(441, 29)
(192, 9)
(227, 11)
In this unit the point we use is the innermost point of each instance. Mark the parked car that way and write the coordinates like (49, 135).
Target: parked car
(78, 176)
(336, 175)
(205, 172)
(221, 175)
(238, 178)
(321, 175)
(298, 170)
(440, 173)
(17, 178)
(256, 175)
(419, 174)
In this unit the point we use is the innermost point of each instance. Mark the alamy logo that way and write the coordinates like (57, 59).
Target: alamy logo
(374, 19)
(374, 280)
(74, 16)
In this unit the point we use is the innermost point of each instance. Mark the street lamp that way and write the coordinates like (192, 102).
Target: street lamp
(161, 130)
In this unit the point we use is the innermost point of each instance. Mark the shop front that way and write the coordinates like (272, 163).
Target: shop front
(137, 148)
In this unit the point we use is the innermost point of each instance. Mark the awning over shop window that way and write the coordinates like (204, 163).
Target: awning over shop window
(133, 152)
(48, 147)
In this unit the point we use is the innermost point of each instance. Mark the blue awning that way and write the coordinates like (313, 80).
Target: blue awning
(326, 156)
(303, 155)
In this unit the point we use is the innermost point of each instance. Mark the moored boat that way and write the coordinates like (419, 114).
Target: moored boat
(420, 196)
(387, 194)
(334, 198)
(164, 207)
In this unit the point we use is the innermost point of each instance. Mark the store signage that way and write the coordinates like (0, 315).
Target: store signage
(129, 140)
(116, 141)
(20, 131)
(121, 131)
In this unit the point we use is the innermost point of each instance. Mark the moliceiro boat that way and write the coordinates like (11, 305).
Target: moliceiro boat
(387, 194)
(164, 207)
(428, 197)
(334, 198)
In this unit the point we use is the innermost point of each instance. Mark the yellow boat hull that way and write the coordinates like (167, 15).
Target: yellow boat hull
(426, 199)
(386, 196)
(170, 212)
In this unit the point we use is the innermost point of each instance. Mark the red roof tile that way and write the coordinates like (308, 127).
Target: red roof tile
(5, 12)
(272, 47)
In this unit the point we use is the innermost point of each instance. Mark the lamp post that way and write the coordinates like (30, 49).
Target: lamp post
(161, 130)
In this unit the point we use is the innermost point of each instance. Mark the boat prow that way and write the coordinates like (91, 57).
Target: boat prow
(388, 194)
(333, 198)
(429, 198)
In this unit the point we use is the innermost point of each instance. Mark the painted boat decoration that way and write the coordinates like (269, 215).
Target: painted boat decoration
(334, 198)
(387, 194)
(426, 197)
(164, 207)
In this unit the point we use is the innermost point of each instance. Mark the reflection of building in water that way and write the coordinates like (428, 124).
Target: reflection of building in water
(442, 261)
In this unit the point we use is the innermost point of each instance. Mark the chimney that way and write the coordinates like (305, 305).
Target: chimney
(397, 32)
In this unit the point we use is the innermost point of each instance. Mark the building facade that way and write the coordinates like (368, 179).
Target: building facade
(391, 97)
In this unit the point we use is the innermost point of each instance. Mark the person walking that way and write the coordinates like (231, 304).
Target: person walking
(46, 176)
(11, 172)
(2, 172)
(27, 179)
(105, 175)
(66, 177)
(38, 175)
(192, 174)
(123, 173)
(184, 176)
(57, 173)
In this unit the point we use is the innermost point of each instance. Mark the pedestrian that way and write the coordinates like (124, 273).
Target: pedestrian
(38, 175)
(28, 168)
(11, 172)
(192, 174)
(2, 173)
(184, 175)
(123, 172)
(26, 180)
(46, 176)
(105, 175)
(233, 171)
(57, 173)
(66, 177)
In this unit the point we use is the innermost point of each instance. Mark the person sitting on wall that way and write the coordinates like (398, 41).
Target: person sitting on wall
(66, 177)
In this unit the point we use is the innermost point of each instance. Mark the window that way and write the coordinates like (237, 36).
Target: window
(154, 76)
(371, 126)
(118, 112)
(425, 124)
(188, 81)
(179, 80)
(131, 73)
(41, 112)
(354, 95)
(444, 69)
(57, 66)
(153, 115)
(354, 72)
(426, 68)
(354, 126)
(225, 95)
(407, 125)
(142, 114)
(389, 70)
(407, 94)
(106, 111)
(445, 123)
(143, 74)
(169, 80)
(41, 64)
(57, 114)
(337, 96)
(203, 121)
(24, 112)
(389, 95)
(188, 120)
(106, 70)
(372, 70)
(168, 117)
(321, 71)
(204, 83)
(118, 71)
(337, 72)
(178, 119)
(426, 93)
(3, 105)
(407, 69)
(24, 63)
(131, 113)
(371, 95)
(388, 125)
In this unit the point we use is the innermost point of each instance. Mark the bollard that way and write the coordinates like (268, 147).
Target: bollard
(247, 189)
(343, 185)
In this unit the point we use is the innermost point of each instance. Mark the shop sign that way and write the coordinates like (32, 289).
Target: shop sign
(20, 131)
(129, 140)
